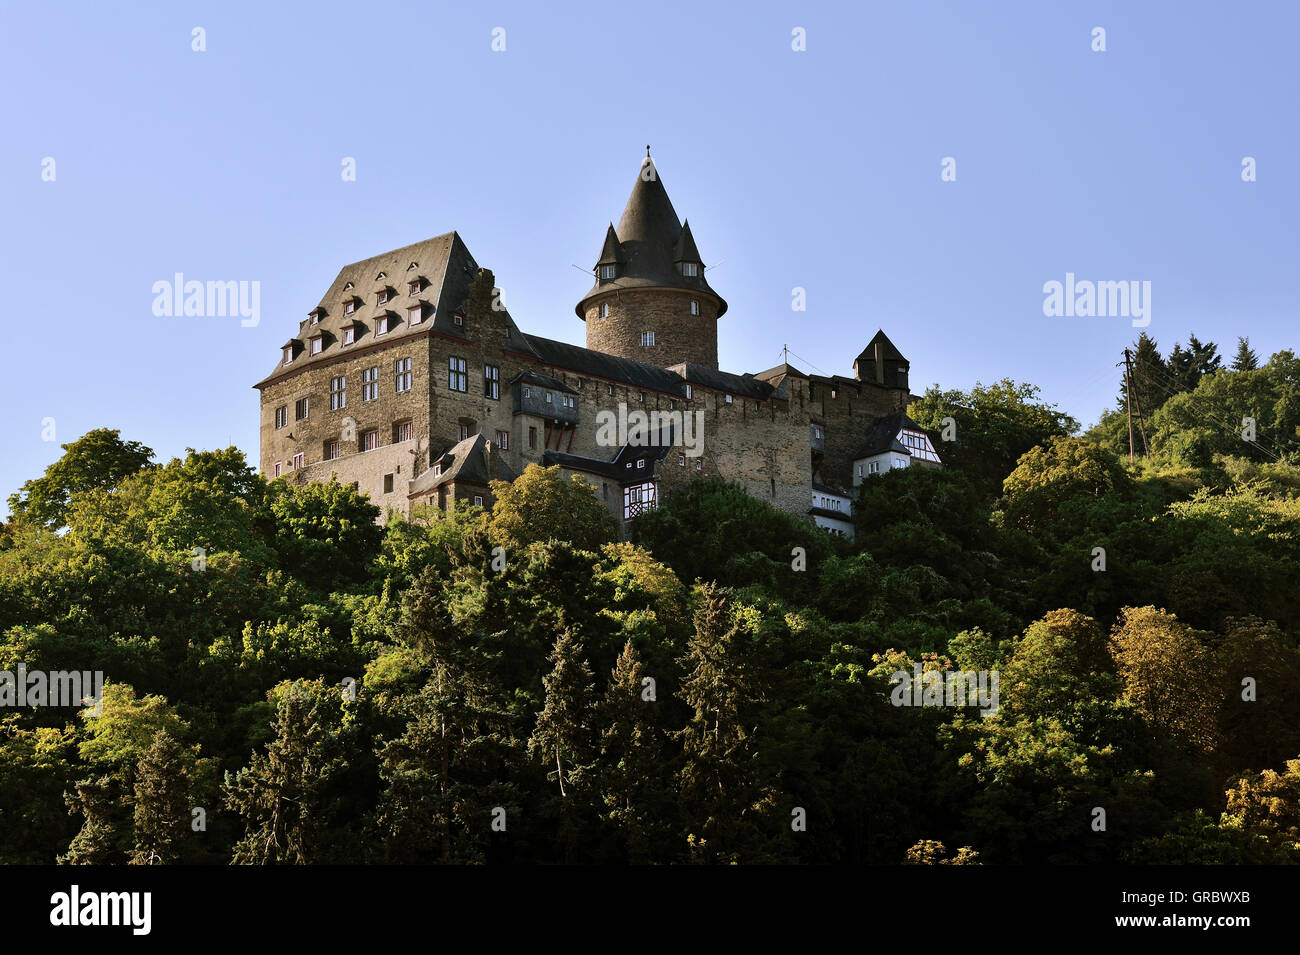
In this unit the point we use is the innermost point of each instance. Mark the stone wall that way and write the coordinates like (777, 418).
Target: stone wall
(679, 335)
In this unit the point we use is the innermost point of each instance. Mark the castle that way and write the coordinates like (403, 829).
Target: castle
(412, 381)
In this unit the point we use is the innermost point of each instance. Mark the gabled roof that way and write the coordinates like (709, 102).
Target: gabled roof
(650, 237)
(622, 468)
(448, 269)
(882, 436)
(783, 370)
(465, 462)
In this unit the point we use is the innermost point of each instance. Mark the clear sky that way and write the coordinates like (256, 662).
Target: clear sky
(817, 169)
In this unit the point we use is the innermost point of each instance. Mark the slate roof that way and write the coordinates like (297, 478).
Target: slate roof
(746, 386)
(545, 381)
(465, 462)
(621, 468)
(599, 365)
(883, 436)
(784, 368)
(445, 267)
(652, 241)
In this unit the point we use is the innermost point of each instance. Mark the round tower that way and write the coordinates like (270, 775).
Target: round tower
(651, 301)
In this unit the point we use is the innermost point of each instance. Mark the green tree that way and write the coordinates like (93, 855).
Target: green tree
(563, 729)
(162, 804)
(98, 460)
(540, 505)
(1245, 359)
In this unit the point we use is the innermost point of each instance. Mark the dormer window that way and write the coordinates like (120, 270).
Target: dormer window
(381, 297)
(457, 319)
(695, 307)
(381, 325)
(691, 269)
(349, 306)
(316, 345)
(413, 287)
(288, 354)
(347, 287)
(415, 314)
(315, 317)
(349, 334)
(608, 272)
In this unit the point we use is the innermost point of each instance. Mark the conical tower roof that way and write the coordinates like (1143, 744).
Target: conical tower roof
(652, 243)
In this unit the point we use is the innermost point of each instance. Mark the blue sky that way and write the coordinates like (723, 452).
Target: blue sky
(818, 169)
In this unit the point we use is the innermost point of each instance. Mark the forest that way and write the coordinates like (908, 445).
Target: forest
(289, 682)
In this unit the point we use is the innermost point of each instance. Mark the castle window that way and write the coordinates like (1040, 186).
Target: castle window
(462, 431)
(413, 287)
(331, 450)
(727, 399)
(492, 382)
(640, 462)
(402, 373)
(278, 466)
(690, 392)
(381, 298)
(568, 401)
(457, 319)
(548, 397)
(503, 440)
(695, 307)
(388, 484)
(349, 306)
(281, 416)
(300, 409)
(316, 345)
(647, 339)
(681, 460)
(643, 397)
(528, 392)
(402, 431)
(315, 317)
(457, 380)
(699, 464)
(415, 314)
(604, 311)
(608, 271)
(349, 334)
(690, 269)
(288, 354)
(478, 500)
(381, 325)
(369, 440)
(370, 383)
(532, 438)
(338, 393)
(298, 461)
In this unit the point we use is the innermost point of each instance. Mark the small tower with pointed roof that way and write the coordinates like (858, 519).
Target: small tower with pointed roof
(651, 301)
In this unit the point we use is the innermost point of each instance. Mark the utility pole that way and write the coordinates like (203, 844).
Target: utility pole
(1128, 404)
(1128, 374)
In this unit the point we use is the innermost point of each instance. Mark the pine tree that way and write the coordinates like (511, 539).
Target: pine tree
(162, 807)
(631, 761)
(278, 794)
(563, 728)
(1246, 359)
(725, 802)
